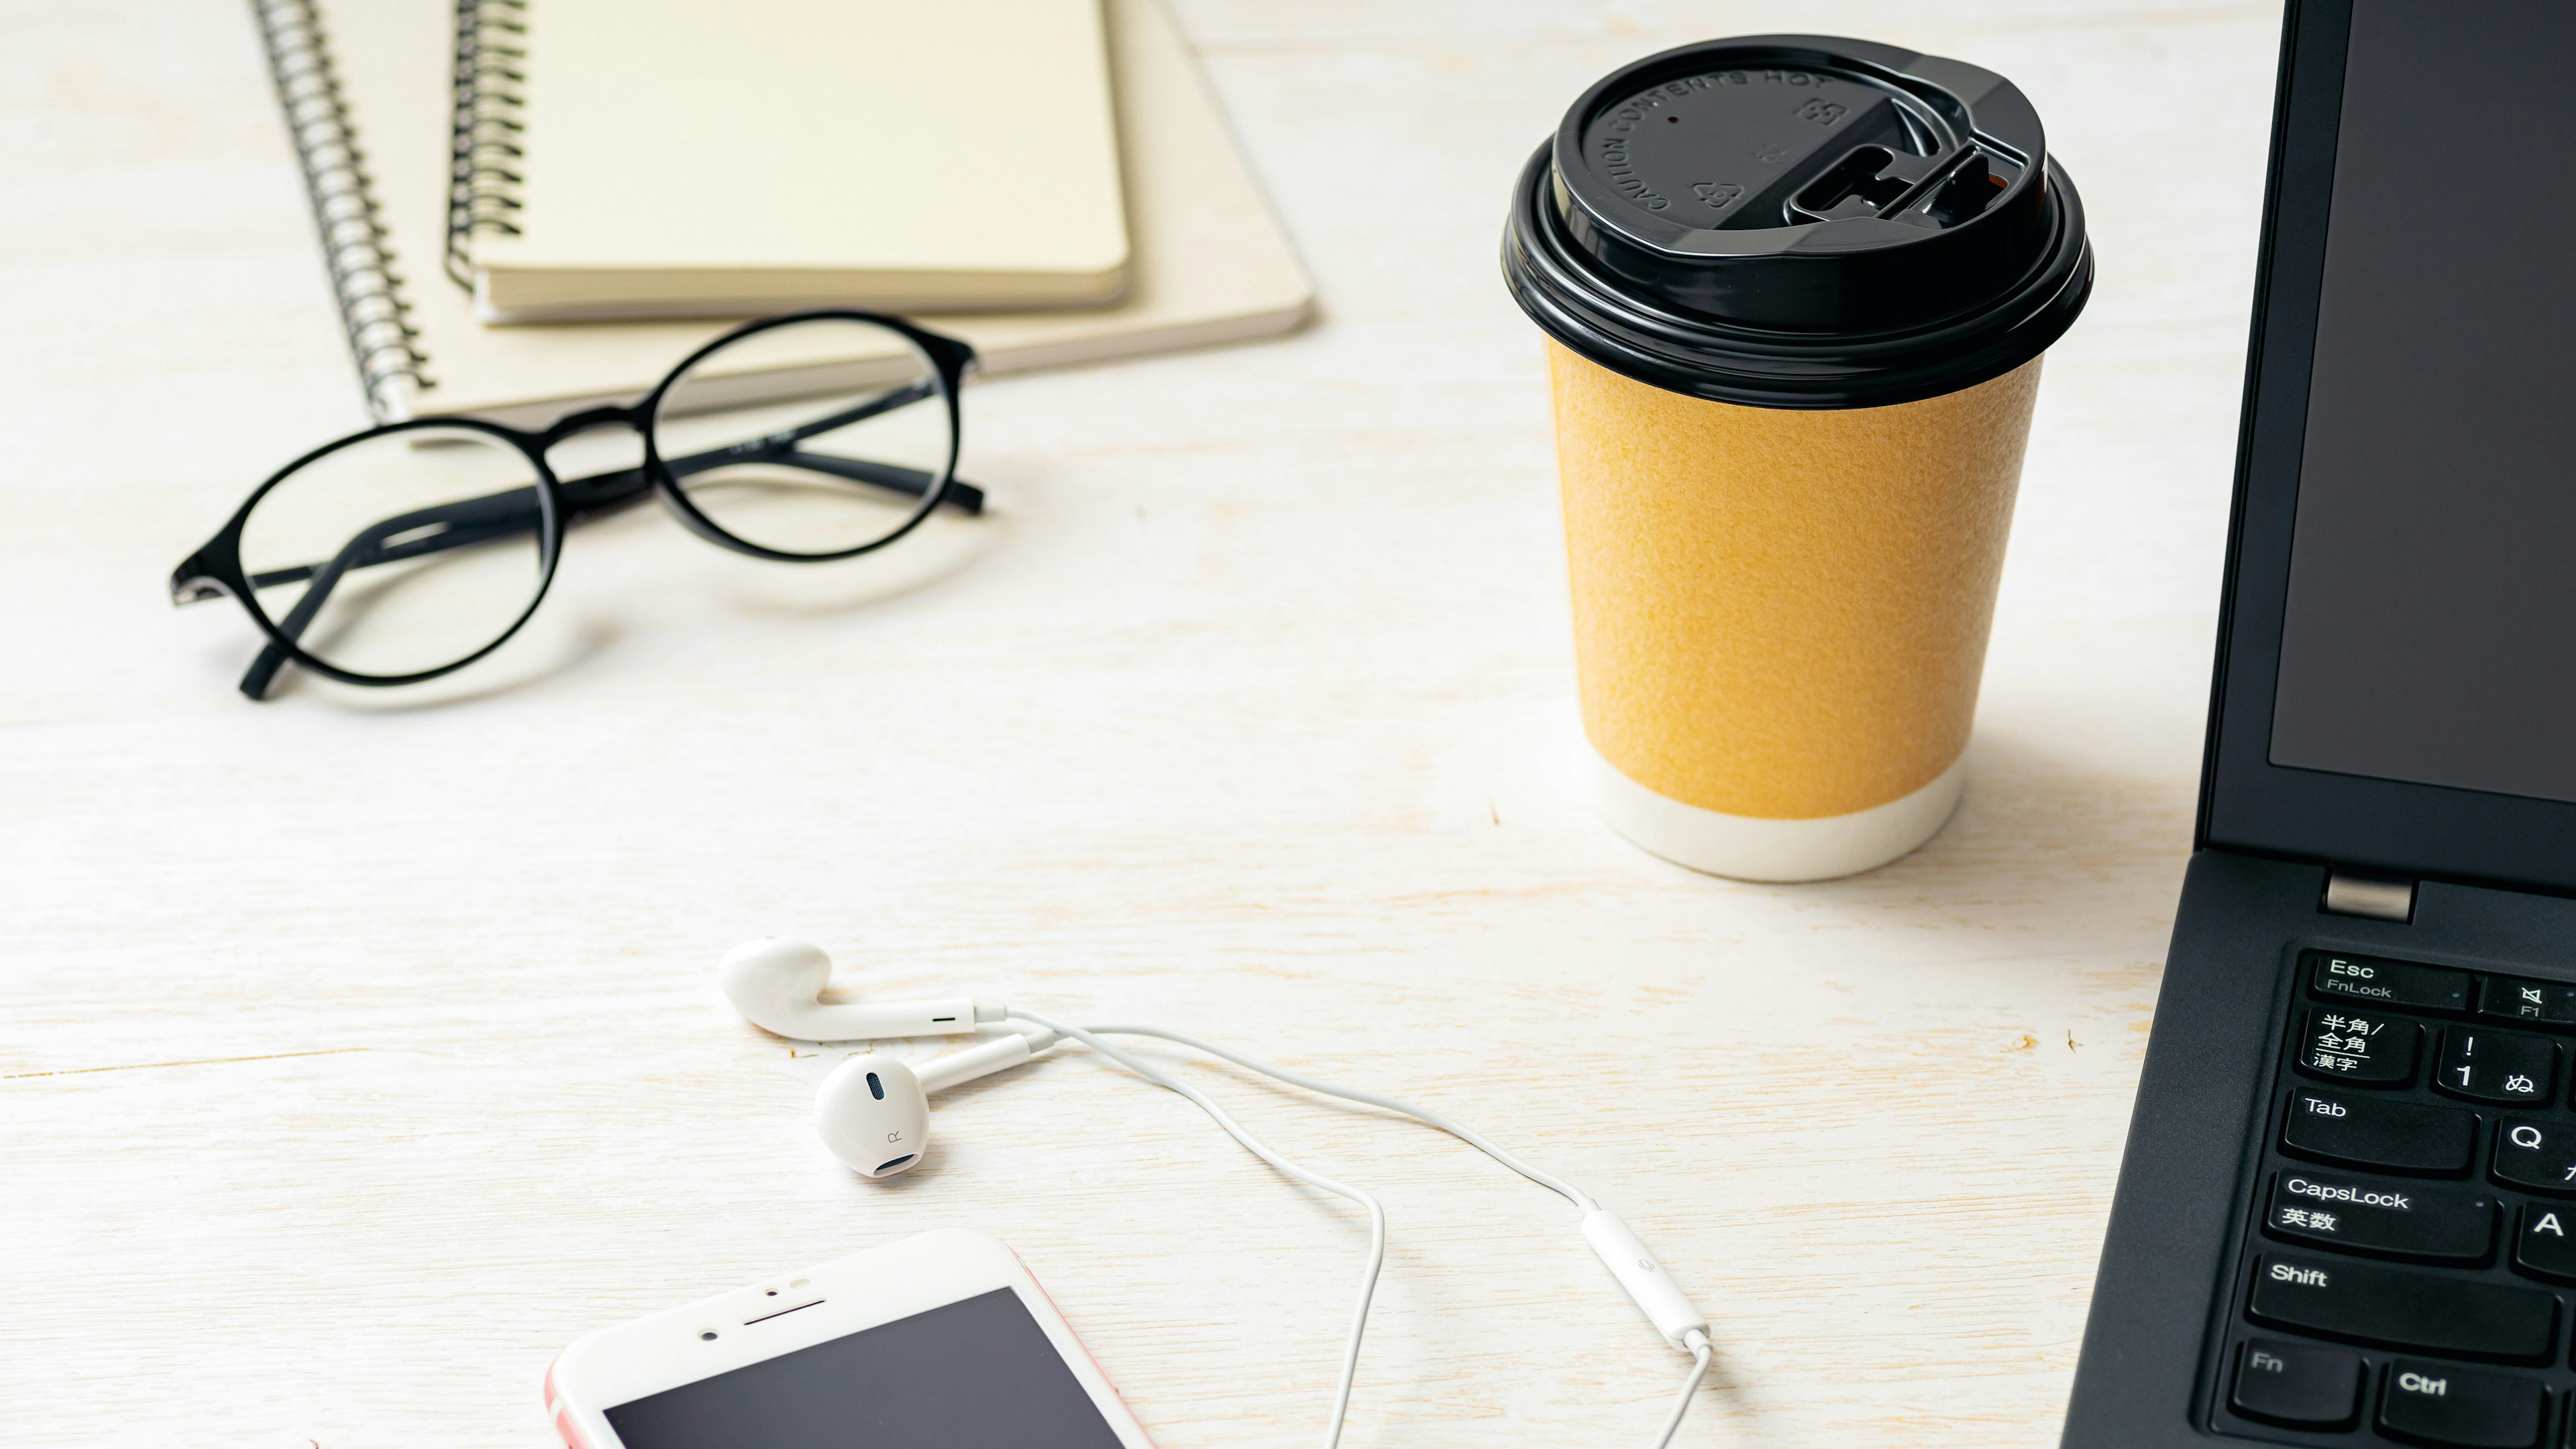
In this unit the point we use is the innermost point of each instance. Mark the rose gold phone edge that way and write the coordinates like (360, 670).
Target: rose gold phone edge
(791, 1311)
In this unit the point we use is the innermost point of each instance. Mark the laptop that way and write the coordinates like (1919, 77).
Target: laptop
(2347, 1211)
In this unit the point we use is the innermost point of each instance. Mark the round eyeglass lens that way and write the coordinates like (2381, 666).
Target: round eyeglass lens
(399, 553)
(814, 438)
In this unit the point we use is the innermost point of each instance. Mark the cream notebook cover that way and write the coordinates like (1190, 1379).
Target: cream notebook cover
(1208, 262)
(671, 158)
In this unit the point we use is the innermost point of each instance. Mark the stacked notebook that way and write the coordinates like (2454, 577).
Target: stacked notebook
(496, 179)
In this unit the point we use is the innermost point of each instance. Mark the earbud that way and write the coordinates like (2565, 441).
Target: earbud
(873, 1115)
(779, 985)
(874, 1112)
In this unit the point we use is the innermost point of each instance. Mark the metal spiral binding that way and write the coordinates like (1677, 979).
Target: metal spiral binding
(482, 193)
(382, 340)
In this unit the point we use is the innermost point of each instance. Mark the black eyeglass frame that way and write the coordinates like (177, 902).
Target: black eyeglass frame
(215, 568)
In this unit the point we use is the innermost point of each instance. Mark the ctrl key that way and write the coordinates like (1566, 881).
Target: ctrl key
(2435, 1403)
(2297, 1384)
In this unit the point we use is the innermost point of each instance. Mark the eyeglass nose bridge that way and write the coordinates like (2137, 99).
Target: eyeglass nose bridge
(590, 422)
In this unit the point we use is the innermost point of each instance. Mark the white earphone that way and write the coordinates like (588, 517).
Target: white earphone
(778, 985)
(873, 1113)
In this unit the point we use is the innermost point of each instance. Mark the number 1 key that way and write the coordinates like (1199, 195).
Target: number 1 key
(2496, 1066)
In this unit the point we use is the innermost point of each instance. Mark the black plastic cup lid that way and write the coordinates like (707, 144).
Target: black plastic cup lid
(1800, 221)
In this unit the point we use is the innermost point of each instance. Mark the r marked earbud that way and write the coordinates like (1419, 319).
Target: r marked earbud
(873, 1112)
(779, 985)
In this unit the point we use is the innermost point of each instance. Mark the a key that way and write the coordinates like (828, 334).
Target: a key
(2443, 1404)
(2297, 1383)
(2402, 1308)
(2536, 1156)
(2536, 1003)
(2544, 1243)
(2357, 1130)
(2486, 1065)
(2387, 983)
(2365, 1048)
(2386, 1219)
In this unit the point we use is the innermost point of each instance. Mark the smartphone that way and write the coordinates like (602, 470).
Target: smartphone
(941, 1341)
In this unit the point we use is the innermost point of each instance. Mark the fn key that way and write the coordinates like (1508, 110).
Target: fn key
(2297, 1383)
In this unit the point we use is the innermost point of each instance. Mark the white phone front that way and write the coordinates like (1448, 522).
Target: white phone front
(941, 1341)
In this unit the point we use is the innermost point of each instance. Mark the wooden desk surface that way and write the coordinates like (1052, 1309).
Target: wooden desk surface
(358, 1051)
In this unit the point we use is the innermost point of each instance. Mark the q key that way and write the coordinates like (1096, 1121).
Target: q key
(2536, 1156)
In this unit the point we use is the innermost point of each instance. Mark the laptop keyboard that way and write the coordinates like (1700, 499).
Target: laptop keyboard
(2414, 1234)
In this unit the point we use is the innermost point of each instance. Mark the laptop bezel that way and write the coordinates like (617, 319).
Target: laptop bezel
(2247, 802)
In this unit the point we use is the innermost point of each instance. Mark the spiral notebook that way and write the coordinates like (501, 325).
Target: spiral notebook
(672, 158)
(369, 89)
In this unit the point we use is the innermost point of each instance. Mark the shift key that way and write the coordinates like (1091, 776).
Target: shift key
(2355, 1129)
(2396, 1308)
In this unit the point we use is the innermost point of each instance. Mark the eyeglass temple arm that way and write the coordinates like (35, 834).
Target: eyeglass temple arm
(965, 497)
(467, 521)
(602, 491)
(884, 402)
(780, 447)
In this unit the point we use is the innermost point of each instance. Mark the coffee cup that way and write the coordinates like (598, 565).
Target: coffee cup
(1795, 292)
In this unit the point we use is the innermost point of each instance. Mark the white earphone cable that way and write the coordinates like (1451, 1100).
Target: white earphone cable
(1702, 1350)
(1464, 1134)
(1254, 1145)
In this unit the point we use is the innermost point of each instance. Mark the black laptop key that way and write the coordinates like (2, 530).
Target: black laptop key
(2403, 1308)
(2544, 1242)
(2486, 1065)
(2536, 1156)
(2365, 1048)
(2388, 983)
(2297, 1383)
(2535, 1003)
(2438, 1403)
(2387, 1219)
(2356, 1129)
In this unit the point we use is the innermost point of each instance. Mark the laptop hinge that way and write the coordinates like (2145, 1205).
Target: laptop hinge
(2360, 893)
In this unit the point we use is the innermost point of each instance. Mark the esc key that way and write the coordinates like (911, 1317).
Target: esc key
(2387, 983)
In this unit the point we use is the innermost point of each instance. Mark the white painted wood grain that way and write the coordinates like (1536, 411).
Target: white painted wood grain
(356, 1052)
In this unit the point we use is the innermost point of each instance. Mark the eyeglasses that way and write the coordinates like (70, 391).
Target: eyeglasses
(409, 551)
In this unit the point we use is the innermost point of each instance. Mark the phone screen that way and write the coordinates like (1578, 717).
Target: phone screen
(975, 1374)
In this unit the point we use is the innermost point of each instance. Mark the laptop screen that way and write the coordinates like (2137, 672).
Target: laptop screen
(2429, 633)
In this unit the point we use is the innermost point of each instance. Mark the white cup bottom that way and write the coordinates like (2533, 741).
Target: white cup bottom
(1748, 847)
